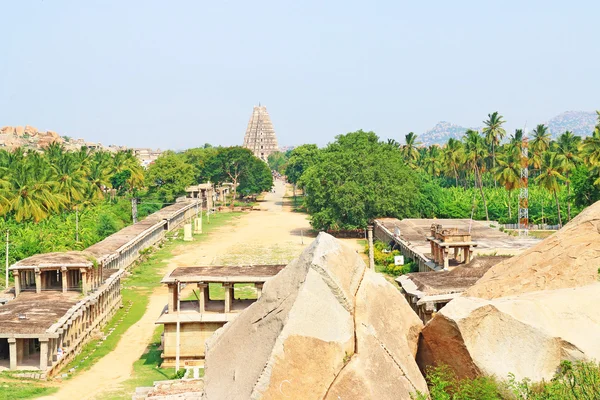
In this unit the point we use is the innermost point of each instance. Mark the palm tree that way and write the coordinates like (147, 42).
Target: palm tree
(508, 171)
(35, 196)
(538, 145)
(454, 157)
(70, 177)
(494, 133)
(550, 177)
(432, 162)
(566, 148)
(410, 150)
(475, 152)
(516, 140)
(394, 143)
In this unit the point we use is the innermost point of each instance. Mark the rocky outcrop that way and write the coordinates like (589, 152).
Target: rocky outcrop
(323, 326)
(387, 332)
(526, 314)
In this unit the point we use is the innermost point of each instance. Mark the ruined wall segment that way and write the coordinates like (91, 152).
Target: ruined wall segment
(260, 135)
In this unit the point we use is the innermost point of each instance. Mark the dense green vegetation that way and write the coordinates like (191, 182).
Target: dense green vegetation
(358, 177)
(172, 172)
(59, 200)
(579, 380)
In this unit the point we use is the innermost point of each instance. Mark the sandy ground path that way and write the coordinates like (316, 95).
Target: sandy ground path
(271, 236)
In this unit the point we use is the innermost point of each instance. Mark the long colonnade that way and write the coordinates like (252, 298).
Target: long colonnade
(59, 343)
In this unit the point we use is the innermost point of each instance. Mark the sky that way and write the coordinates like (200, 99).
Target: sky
(178, 74)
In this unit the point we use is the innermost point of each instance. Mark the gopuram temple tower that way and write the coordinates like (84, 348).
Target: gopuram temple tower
(260, 136)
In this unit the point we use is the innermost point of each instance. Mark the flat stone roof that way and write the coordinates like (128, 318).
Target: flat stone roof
(416, 230)
(41, 311)
(457, 280)
(241, 274)
(77, 259)
(127, 234)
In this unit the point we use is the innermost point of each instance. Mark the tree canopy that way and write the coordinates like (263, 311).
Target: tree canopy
(357, 178)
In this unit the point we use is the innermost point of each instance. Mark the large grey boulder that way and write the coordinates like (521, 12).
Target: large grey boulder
(526, 314)
(295, 341)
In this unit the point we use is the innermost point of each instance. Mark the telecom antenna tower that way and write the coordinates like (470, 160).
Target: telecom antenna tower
(524, 190)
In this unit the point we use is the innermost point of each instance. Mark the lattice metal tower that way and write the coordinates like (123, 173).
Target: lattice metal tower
(524, 190)
(260, 136)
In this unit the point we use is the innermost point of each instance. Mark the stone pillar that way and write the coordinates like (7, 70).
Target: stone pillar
(456, 254)
(38, 280)
(468, 253)
(84, 283)
(63, 277)
(432, 249)
(43, 354)
(445, 256)
(172, 300)
(371, 251)
(17, 276)
(198, 224)
(228, 296)
(259, 288)
(12, 351)
(187, 232)
(202, 288)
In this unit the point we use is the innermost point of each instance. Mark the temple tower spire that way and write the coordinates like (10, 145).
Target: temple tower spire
(260, 136)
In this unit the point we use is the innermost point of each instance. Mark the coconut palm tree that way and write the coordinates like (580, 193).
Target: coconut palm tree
(508, 171)
(538, 145)
(475, 152)
(550, 177)
(567, 154)
(410, 150)
(494, 133)
(432, 162)
(35, 196)
(454, 158)
(70, 177)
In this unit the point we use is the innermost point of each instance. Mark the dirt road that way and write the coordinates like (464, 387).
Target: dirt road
(271, 236)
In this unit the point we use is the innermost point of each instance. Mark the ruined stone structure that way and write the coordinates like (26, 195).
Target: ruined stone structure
(428, 292)
(205, 192)
(201, 317)
(62, 299)
(444, 240)
(260, 136)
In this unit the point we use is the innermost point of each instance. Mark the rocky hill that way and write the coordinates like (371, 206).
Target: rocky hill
(441, 132)
(30, 138)
(581, 123)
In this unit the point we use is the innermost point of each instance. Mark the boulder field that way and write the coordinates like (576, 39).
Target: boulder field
(528, 313)
(325, 327)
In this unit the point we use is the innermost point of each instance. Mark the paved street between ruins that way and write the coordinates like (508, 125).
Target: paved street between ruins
(266, 237)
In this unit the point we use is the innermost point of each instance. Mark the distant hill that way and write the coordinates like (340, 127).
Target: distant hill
(441, 132)
(581, 123)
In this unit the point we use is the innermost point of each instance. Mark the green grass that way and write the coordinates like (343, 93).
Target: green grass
(23, 388)
(145, 370)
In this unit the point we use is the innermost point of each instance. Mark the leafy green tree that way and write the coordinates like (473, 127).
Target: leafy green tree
(240, 167)
(169, 176)
(357, 178)
(300, 159)
(277, 161)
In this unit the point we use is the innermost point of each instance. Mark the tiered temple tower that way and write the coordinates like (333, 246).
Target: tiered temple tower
(260, 136)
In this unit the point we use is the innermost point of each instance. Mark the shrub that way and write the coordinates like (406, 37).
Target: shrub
(106, 225)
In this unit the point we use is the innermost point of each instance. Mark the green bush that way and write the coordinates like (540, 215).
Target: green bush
(384, 260)
(579, 380)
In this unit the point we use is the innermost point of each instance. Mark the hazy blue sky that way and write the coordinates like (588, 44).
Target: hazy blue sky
(177, 74)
